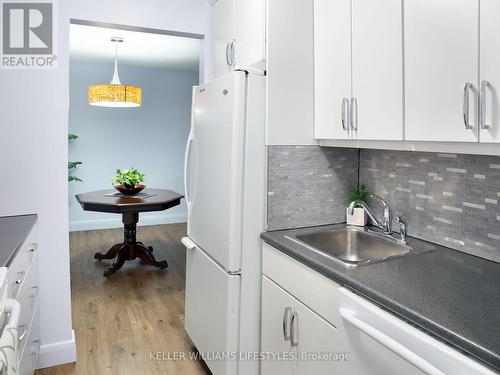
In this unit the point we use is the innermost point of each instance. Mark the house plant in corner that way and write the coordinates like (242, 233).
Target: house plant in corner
(129, 181)
(359, 217)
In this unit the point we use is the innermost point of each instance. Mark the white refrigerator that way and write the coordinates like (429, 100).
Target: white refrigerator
(225, 183)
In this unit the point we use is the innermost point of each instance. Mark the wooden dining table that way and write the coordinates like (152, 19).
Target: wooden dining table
(129, 207)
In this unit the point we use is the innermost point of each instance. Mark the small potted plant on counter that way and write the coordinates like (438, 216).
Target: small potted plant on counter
(129, 181)
(358, 217)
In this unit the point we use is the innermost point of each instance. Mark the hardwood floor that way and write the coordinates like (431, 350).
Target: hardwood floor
(119, 322)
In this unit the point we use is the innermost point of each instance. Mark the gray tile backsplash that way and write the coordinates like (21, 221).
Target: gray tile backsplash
(449, 199)
(308, 185)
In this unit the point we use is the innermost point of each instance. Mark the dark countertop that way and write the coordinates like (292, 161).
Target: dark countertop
(13, 232)
(453, 296)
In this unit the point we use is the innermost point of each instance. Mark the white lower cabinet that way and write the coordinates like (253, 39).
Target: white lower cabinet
(22, 276)
(277, 307)
(295, 335)
(339, 332)
(320, 346)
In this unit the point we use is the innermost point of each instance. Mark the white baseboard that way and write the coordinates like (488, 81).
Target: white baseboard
(75, 226)
(57, 353)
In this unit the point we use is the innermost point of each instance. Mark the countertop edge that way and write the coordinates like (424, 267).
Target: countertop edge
(21, 242)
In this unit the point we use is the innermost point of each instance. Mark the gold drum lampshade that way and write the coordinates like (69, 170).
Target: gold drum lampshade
(115, 95)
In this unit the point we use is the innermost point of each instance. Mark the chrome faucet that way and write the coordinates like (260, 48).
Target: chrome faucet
(386, 225)
(402, 229)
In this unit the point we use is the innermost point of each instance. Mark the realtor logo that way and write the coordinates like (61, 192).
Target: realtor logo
(27, 35)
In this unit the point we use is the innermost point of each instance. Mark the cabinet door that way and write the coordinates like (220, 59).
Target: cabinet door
(277, 307)
(490, 70)
(223, 28)
(377, 69)
(441, 58)
(313, 335)
(290, 69)
(332, 68)
(250, 32)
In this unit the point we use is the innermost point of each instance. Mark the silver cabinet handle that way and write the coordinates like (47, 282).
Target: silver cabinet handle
(232, 52)
(20, 276)
(35, 294)
(345, 109)
(466, 109)
(37, 351)
(228, 44)
(23, 330)
(286, 314)
(354, 114)
(293, 331)
(482, 105)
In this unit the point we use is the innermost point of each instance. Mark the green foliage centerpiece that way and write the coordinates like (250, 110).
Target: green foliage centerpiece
(128, 181)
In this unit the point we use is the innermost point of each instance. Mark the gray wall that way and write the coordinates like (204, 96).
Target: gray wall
(308, 185)
(151, 138)
(449, 199)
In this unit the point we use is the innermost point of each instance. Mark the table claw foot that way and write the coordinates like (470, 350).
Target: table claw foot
(110, 254)
(144, 253)
(118, 263)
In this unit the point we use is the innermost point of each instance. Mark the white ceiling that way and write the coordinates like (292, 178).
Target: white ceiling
(92, 43)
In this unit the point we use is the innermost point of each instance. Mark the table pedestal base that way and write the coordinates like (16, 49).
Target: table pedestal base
(129, 249)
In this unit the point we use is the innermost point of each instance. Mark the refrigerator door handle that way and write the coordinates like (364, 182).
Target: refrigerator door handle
(186, 166)
(186, 241)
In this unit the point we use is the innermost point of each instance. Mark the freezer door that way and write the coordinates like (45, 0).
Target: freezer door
(212, 311)
(214, 168)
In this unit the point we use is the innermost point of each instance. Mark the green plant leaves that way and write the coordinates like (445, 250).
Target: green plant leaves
(128, 177)
(73, 164)
(361, 194)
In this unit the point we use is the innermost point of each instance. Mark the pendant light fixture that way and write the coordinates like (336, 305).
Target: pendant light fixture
(115, 94)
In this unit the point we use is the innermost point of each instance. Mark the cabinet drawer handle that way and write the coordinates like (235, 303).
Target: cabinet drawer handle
(227, 53)
(354, 114)
(482, 105)
(37, 351)
(20, 276)
(345, 109)
(466, 109)
(23, 330)
(286, 314)
(232, 52)
(293, 331)
(33, 247)
(36, 289)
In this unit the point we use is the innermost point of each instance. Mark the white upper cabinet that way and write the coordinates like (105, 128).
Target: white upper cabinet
(441, 69)
(290, 69)
(223, 31)
(332, 68)
(358, 69)
(377, 69)
(250, 33)
(239, 34)
(490, 71)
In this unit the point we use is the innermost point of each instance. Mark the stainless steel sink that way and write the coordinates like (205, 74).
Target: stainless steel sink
(353, 246)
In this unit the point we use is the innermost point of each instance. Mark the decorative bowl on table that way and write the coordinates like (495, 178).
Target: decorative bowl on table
(129, 190)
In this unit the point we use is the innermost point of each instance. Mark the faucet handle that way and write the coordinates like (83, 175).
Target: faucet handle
(402, 228)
